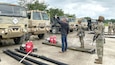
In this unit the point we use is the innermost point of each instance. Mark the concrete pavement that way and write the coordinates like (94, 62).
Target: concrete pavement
(70, 57)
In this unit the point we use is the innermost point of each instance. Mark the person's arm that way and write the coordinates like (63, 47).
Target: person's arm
(57, 19)
(97, 31)
(68, 29)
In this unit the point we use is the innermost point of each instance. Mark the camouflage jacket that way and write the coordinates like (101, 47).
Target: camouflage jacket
(100, 29)
(110, 26)
(81, 31)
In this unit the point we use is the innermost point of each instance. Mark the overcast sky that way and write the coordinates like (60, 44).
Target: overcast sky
(82, 8)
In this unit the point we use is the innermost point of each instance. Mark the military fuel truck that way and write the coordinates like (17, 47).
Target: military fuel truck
(84, 23)
(55, 26)
(13, 22)
(39, 23)
(71, 21)
(89, 24)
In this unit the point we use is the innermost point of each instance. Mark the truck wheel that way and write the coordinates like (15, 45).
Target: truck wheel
(71, 30)
(41, 36)
(27, 36)
(19, 40)
(54, 30)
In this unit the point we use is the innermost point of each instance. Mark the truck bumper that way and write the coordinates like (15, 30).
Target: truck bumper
(39, 32)
(72, 27)
(12, 34)
(48, 29)
(36, 31)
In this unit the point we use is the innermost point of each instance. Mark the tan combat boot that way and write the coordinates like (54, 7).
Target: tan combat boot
(98, 61)
(82, 46)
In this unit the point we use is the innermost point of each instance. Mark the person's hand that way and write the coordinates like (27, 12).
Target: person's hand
(55, 16)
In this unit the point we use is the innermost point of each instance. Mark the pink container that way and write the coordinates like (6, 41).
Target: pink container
(53, 39)
(29, 46)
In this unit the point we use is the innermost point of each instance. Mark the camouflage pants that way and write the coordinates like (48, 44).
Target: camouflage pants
(109, 31)
(99, 45)
(113, 31)
(81, 41)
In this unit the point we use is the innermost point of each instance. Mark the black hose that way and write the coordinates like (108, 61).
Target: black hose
(42, 57)
(51, 60)
(17, 58)
(29, 59)
(21, 51)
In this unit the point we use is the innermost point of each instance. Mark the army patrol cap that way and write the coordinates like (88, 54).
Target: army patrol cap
(101, 18)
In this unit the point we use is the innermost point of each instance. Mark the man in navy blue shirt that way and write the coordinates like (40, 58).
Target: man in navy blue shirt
(64, 32)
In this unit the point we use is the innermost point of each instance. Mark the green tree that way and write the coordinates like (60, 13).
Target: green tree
(37, 6)
(70, 15)
(53, 12)
(109, 20)
(87, 18)
(22, 2)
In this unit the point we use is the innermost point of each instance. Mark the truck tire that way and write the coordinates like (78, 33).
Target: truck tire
(19, 40)
(71, 30)
(27, 36)
(54, 30)
(41, 36)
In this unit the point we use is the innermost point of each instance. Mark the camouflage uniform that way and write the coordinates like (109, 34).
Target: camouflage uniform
(110, 28)
(81, 34)
(100, 40)
(114, 28)
(92, 25)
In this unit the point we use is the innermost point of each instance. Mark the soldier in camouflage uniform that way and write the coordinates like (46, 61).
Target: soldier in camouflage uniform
(114, 28)
(100, 39)
(110, 28)
(81, 33)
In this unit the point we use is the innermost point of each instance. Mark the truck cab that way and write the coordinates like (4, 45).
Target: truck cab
(39, 23)
(71, 21)
(55, 26)
(84, 23)
(13, 22)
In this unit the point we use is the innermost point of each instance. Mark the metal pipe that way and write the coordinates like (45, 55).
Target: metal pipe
(51, 60)
(17, 58)
(25, 56)
(21, 51)
(29, 59)
(42, 57)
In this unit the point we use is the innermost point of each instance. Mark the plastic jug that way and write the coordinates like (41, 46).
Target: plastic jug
(54, 39)
(29, 46)
(51, 39)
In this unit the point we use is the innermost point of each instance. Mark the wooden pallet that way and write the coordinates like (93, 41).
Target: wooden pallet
(91, 51)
